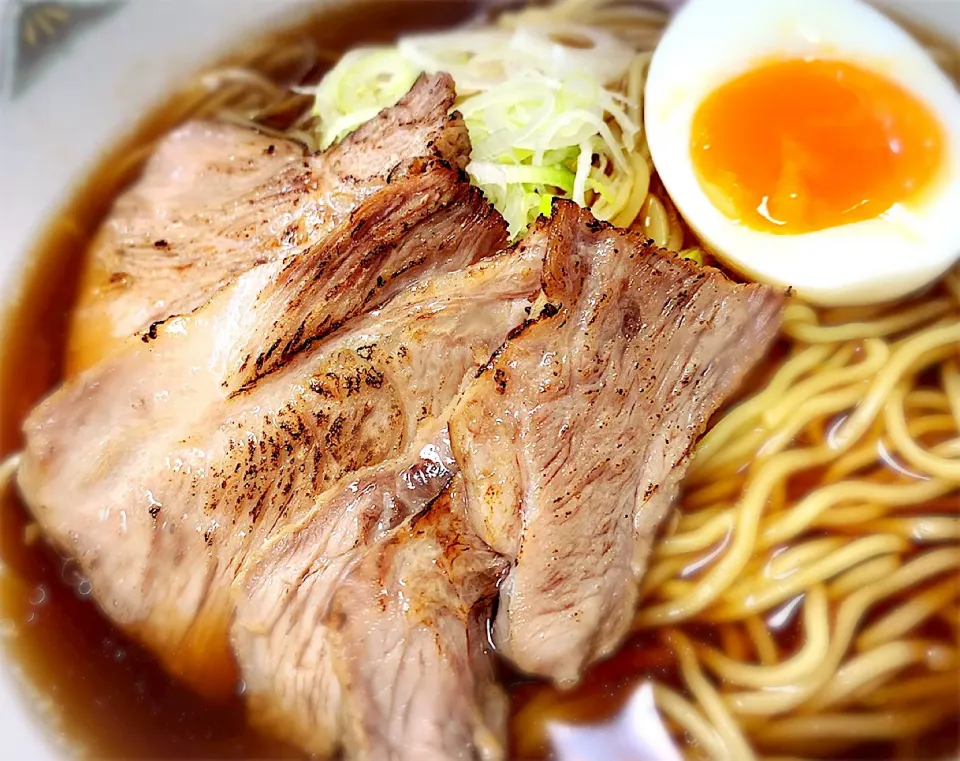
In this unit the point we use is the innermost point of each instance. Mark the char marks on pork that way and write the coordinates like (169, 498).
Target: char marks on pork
(601, 390)
(573, 441)
(283, 597)
(216, 199)
(159, 469)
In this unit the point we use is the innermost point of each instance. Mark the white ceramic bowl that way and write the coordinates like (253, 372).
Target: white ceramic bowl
(60, 110)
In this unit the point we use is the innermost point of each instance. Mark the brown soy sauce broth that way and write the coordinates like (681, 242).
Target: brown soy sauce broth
(100, 694)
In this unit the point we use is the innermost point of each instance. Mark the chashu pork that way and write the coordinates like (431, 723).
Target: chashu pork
(216, 199)
(284, 596)
(320, 479)
(408, 631)
(163, 465)
(386, 623)
(573, 442)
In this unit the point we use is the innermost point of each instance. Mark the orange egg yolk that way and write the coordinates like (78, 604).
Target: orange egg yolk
(802, 145)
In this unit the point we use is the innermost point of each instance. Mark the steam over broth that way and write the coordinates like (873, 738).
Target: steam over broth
(104, 695)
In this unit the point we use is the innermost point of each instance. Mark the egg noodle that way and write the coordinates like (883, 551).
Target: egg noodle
(844, 517)
(804, 599)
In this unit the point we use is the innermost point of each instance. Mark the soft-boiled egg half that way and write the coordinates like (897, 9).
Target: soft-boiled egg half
(810, 143)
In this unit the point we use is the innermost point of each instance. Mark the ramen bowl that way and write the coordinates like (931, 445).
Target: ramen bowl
(76, 79)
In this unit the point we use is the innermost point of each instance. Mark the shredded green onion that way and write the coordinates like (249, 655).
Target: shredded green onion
(695, 255)
(547, 118)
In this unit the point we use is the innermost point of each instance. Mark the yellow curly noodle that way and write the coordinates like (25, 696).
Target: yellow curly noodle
(846, 514)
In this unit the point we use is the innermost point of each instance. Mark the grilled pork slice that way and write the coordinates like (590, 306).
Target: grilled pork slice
(573, 441)
(350, 623)
(284, 594)
(281, 636)
(159, 468)
(409, 642)
(216, 199)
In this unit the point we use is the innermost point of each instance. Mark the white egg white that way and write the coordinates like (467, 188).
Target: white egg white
(710, 42)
